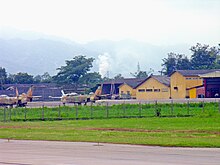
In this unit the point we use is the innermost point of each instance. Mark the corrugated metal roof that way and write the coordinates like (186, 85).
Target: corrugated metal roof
(194, 72)
(162, 79)
(133, 82)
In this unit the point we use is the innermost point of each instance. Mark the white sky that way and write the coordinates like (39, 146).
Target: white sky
(153, 21)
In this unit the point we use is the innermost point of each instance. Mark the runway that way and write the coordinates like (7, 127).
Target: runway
(20, 152)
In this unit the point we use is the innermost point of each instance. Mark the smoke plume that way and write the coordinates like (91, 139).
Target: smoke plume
(104, 63)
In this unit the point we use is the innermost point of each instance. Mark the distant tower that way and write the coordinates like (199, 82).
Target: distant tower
(138, 68)
(107, 74)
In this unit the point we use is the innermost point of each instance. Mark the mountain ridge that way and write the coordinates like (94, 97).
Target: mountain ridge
(39, 55)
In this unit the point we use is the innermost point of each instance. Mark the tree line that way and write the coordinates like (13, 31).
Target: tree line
(203, 57)
(77, 71)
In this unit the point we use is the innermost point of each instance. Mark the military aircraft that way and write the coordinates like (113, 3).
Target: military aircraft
(24, 98)
(18, 100)
(8, 101)
(83, 99)
(99, 96)
(73, 98)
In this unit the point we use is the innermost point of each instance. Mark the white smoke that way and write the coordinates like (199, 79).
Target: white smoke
(104, 63)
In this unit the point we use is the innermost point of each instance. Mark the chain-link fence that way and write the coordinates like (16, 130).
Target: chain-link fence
(106, 111)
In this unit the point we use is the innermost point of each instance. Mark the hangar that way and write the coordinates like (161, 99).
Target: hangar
(179, 84)
(126, 85)
(211, 84)
(195, 83)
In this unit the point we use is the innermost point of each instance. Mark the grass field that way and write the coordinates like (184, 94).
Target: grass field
(195, 132)
(201, 127)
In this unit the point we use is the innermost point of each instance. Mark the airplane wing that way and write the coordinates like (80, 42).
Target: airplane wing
(52, 97)
(36, 96)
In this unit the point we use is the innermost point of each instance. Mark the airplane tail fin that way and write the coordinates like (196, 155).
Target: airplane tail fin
(98, 91)
(16, 92)
(62, 92)
(97, 94)
(30, 94)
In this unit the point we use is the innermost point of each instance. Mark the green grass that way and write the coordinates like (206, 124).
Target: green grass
(115, 111)
(190, 131)
(194, 126)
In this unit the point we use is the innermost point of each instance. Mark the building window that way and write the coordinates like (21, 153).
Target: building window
(149, 90)
(175, 88)
(122, 92)
(164, 89)
(156, 90)
(141, 90)
(128, 93)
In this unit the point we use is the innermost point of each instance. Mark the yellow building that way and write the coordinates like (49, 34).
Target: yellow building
(182, 83)
(179, 85)
(154, 87)
(127, 89)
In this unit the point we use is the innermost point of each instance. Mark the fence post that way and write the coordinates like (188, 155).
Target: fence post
(59, 113)
(124, 109)
(203, 106)
(219, 106)
(172, 107)
(107, 110)
(76, 111)
(91, 112)
(25, 114)
(43, 112)
(157, 113)
(4, 114)
(10, 115)
(188, 107)
(140, 109)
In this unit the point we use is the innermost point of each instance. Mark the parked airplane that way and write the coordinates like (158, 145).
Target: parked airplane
(24, 98)
(99, 96)
(18, 100)
(73, 98)
(83, 99)
(8, 101)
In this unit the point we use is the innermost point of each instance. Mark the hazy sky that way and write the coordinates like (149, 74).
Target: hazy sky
(153, 21)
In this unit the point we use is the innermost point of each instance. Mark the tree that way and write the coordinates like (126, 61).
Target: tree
(23, 78)
(37, 79)
(11, 79)
(74, 70)
(175, 62)
(46, 78)
(204, 57)
(141, 74)
(118, 77)
(183, 62)
(91, 79)
(3, 77)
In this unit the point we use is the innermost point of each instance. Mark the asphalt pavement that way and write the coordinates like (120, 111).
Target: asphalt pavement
(20, 152)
